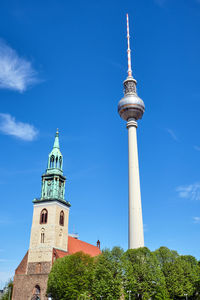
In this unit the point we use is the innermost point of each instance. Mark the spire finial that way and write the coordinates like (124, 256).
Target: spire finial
(56, 142)
(128, 50)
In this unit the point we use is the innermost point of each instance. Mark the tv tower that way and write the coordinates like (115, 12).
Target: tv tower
(130, 109)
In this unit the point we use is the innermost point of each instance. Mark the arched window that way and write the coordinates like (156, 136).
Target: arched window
(42, 238)
(36, 293)
(56, 161)
(49, 191)
(37, 290)
(52, 162)
(60, 162)
(62, 218)
(43, 216)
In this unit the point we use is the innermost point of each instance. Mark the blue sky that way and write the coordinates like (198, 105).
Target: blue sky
(62, 64)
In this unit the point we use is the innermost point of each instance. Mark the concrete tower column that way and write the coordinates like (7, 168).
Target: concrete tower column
(135, 228)
(131, 108)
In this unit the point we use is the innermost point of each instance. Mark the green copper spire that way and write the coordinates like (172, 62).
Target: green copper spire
(53, 186)
(53, 181)
(56, 142)
(55, 161)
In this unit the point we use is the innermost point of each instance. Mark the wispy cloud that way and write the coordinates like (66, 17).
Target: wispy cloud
(23, 131)
(191, 191)
(172, 134)
(196, 148)
(16, 73)
(196, 220)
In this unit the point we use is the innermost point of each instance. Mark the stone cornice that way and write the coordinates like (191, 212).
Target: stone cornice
(40, 201)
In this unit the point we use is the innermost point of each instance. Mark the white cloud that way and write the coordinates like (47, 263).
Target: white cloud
(191, 191)
(196, 220)
(16, 73)
(24, 131)
(172, 134)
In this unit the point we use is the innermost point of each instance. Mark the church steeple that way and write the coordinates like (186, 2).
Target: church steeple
(50, 221)
(55, 161)
(56, 142)
(53, 181)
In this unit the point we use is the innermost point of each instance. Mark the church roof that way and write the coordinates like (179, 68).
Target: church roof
(75, 245)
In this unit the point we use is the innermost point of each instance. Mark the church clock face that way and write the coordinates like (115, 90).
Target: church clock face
(49, 182)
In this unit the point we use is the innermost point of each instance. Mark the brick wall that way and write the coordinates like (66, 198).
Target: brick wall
(24, 284)
(21, 269)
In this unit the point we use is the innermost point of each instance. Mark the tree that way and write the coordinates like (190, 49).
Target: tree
(159, 275)
(181, 272)
(8, 291)
(143, 275)
(107, 276)
(71, 277)
(165, 255)
(191, 274)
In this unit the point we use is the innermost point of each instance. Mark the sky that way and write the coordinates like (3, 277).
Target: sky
(62, 65)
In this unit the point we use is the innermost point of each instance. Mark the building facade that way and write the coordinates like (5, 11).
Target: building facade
(49, 238)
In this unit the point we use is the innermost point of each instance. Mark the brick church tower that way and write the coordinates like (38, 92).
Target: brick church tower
(49, 233)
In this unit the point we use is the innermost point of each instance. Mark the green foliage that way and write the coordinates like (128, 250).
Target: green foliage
(8, 291)
(71, 277)
(159, 275)
(107, 276)
(143, 275)
(181, 273)
(165, 255)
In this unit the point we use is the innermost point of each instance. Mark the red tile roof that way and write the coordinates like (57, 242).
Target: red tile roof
(75, 245)
(59, 253)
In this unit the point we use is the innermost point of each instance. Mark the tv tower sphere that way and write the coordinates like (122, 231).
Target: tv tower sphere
(130, 109)
(130, 106)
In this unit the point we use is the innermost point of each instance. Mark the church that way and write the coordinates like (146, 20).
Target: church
(49, 238)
